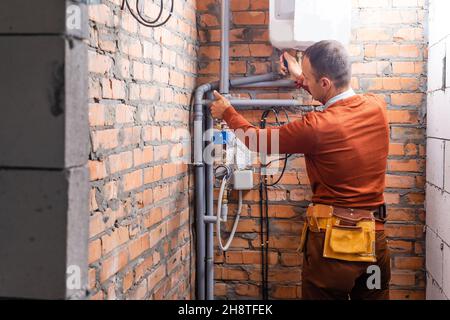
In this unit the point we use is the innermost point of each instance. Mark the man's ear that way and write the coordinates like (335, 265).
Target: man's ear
(325, 83)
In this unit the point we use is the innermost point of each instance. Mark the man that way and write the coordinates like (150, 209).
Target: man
(346, 149)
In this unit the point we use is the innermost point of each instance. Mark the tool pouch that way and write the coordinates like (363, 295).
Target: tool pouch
(316, 221)
(350, 236)
(305, 229)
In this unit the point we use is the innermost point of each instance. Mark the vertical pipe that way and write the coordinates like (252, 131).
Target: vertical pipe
(225, 48)
(199, 190)
(199, 225)
(209, 184)
(200, 185)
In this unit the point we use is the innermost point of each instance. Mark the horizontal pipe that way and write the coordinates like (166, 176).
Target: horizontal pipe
(269, 107)
(210, 219)
(254, 79)
(263, 103)
(270, 84)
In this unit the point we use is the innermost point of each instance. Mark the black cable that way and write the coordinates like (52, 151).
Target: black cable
(159, 15)
(264, 207)
(267, 243)
(281, 159)
(287, 115)
(262, 189)
(282, 172)
(261, 233)
(144, 22)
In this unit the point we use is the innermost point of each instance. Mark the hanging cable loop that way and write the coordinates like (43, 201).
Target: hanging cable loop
(147, 23)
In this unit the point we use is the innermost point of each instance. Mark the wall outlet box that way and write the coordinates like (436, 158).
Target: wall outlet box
(243, 180)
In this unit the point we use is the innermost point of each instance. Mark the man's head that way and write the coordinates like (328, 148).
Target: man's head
(326, 69)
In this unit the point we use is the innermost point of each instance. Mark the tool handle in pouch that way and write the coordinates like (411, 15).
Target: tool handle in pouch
(285, 63)
(303, 236)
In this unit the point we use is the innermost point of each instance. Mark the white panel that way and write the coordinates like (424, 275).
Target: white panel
(447, 81)
(314, 20)
(434, 259)
(434, 292)
(435, 162)
(439, 22)
(438, 212)
(447, 167)
(436, 66)
(285, 9)
(446, 275)
(438, 114)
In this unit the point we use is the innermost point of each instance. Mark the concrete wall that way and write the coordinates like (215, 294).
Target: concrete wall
(388, 50)
(44, 143)
(140, 84)
(438, 153)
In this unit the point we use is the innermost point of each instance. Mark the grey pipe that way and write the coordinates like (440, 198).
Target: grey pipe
(209, 184)
(267, 107)
(254, 79)
(200, 187)
(262, 103)
(201, 183)
(225, 48)
(270, 84)
(204, 174)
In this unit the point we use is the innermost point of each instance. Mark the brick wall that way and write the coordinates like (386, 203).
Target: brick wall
(389, 52)
(140, 84)
(438, 154)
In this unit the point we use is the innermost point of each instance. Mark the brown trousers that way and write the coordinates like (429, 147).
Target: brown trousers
(330, 279)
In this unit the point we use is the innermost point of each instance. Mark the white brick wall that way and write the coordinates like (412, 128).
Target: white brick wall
(446, 269)
(438, 153)
(439, 23)
(438, 114)
(435, 163)
(447, 167)
(438, 212)
(437, 54)
(434, 263)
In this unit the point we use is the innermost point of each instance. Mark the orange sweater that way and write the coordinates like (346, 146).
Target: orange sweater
(346, 149)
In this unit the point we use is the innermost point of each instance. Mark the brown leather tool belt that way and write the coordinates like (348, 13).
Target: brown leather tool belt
(350, 216)
(349, 232)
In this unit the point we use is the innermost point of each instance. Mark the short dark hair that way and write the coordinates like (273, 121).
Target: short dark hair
(330, 59)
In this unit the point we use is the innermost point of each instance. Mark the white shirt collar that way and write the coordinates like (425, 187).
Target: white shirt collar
(344, 95)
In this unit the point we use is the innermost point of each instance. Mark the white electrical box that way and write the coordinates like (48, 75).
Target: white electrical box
(297, 24)
(243, 180)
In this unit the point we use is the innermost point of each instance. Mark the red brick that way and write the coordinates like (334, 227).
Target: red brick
(117, 237)
(95, 250)
(113, 264)
(132, 180)
(249, 18)
(97, 170)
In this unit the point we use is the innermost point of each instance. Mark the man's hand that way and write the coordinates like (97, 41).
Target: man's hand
(300, 82)
(294, 67)
(219, 106)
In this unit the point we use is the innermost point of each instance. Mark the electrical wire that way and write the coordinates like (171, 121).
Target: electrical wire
(282, 172)
(157, 18)
(261, 234)
(139, 17)
(264, 207)
(219, 219)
